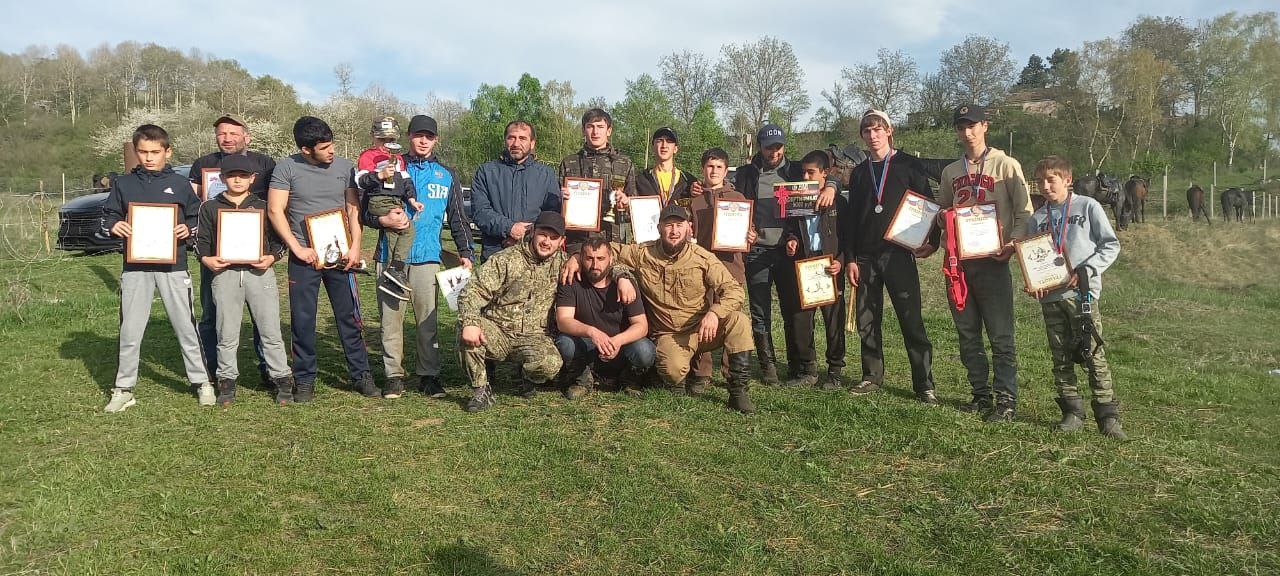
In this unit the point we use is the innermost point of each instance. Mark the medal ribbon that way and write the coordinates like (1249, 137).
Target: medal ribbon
(982, 164)
(884, 176)
(1060, 229)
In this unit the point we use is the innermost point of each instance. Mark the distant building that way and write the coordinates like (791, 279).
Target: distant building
(1036, 101)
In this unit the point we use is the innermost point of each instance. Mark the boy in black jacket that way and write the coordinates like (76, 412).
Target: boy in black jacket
(237, 284)
(153, 181)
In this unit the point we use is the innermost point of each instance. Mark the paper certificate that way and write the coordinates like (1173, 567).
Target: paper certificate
(240, 236)
(817, 288)
(452, 281)
(978, 231)
(730, 225)
(327, 234)
(912, 222)
(582, 209)
(1042, 267)
(644, 218)
(152, 240)
(211, 184)
(797, 198)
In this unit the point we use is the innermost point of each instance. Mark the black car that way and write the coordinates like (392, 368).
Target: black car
(80, 222)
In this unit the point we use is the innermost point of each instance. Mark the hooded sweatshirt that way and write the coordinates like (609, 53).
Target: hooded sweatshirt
(162, 186)
(1091, 242)
(997, 179)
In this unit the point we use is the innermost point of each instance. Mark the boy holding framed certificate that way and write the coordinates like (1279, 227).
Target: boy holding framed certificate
(1082, 238)
(237, 248)
(154, 210)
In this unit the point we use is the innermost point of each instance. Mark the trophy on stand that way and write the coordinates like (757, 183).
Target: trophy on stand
(393, 148)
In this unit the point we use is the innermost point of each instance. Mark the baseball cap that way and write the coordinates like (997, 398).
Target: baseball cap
(421, 123)
(551, 221)
(385, 127)
(673, 210)
(769, 135)
(236, 163)
(227, 119)
(665, 132)
(969, 113)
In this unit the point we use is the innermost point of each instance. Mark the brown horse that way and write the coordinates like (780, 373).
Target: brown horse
(1195, 202)
(1135, 192)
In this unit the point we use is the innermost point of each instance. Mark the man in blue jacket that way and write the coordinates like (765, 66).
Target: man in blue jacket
(440, 193)
(508, 193)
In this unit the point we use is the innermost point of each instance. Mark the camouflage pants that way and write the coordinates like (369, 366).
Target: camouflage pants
(535, 354)
(1062, 324)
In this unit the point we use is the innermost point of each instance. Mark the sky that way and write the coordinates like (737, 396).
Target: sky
(450, 48)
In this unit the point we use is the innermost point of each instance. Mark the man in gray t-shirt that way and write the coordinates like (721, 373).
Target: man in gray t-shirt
(311, 182)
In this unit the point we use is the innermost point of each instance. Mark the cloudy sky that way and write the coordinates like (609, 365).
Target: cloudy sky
(452, 47)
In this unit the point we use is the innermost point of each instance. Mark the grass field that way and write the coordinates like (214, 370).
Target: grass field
(815, 483)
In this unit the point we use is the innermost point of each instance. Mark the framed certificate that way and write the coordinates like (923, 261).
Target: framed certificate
(730, 224)
(1042, 267)
(817, 288)
(211, 184)
(644, 218)
(978, 231)
(152, 240)
(582, 209)
(913, 221)
(240, 235)
(797, 198)
(451, 282)
(327, 234)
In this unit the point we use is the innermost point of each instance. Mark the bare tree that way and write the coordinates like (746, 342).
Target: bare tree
(840, 101)
(342, 74)
(977, 70)
(761, 77)
(446, 111)
(935, 102)
(689, 81)
(71, 69)
(889, 84)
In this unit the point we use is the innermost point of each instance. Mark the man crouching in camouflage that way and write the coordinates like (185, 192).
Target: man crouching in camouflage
(503, 311)
(676, 276)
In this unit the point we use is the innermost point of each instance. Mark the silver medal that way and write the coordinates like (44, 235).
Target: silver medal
(879, 208)
(1059, 261)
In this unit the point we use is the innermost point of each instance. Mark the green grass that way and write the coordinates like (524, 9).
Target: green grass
(815, 483)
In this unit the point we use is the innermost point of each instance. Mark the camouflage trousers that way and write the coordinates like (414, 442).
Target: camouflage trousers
(1062, 324)
(535, 354)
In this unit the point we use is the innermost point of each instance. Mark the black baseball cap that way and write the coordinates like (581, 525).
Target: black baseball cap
(236, 163)
(969, 113)
(227, 119)
(673, 210)
(551, 221)
(665, 132)
(421, 123)
(769, 135)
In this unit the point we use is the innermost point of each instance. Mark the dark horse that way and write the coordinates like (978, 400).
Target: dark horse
(1238, 200)
(1135, 200)
(1106, 191)
(1195, 201)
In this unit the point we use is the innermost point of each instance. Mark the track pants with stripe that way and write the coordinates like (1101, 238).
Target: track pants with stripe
(304, 294)
(137, 289)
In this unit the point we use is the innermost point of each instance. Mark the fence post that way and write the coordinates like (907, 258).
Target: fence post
(64, 187)
(1213, 188)
(44, 221)
(1164, 202)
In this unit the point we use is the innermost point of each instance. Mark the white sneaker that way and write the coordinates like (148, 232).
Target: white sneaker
(208, 396)
(121, 398)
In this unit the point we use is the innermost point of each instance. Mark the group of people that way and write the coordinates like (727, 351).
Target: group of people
(596, 310)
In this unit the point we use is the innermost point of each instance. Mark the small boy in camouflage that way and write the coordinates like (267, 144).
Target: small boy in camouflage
(1084, 237)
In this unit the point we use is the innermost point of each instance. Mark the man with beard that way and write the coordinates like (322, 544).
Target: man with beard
(503, 311)
(598, 331)
(599, 159)
(507, 193)
(676, 276)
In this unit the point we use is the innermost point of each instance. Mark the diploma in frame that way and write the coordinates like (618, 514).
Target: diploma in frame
(644, 218)
(913, 221)
(327, 234)
(978, 231)
(211, 184)
(1042, 267)
(730, 225)
(817, 288)
(152, 239)
(582, 209)
(240, 236)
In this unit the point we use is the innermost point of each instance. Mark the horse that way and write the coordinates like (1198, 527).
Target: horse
(1235, 199)
(1135, 200)
(1195, 201)
(1105, 190)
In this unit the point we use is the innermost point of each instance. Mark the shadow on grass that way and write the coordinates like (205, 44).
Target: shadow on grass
(109, 278)
(100, 357)
(460, 558)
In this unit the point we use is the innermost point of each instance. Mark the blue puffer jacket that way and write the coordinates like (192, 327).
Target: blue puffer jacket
(504, 192)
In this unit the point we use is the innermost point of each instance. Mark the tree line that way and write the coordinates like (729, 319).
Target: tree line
(1164, 92)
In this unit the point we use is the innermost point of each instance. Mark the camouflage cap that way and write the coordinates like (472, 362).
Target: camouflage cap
(385, 127)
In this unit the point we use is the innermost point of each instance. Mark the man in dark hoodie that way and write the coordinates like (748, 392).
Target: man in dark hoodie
(507, 194)
(599, 159)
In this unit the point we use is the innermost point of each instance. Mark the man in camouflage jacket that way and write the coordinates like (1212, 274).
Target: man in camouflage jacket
(599, 159)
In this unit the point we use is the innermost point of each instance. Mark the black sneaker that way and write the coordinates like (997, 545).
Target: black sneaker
(431, 387)
(365, 386)
(304, 392)
(392, 290)
(978, 405)
(863, 388)
(481, 399)
(397, 278)
(226, 391)
(394, 389)
(833, 382)
(1002, 413)
(927, 398)
(284, 389)
(527, 389)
